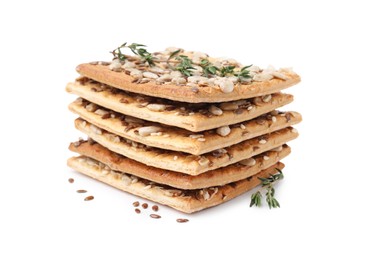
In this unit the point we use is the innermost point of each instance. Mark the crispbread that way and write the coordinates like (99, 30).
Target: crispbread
(177, 115)
(120, 80)
(218, 177)
(187, 201)
(180, 139)
(181, 162)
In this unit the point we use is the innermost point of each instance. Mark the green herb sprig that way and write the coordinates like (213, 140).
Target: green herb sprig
(137, 49)
(226, 70)
(267, 184)
(143, 53)
(243, 74)
(117, 54)
(185, 65)
(208, 67)
(173, 54)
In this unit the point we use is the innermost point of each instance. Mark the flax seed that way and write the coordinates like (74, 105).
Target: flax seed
(182, 220)
(88, 198)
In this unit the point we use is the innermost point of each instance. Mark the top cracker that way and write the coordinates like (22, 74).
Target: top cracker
(186, 76)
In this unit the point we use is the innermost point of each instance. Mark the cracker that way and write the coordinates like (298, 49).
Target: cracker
(187, 201)
(193, 117)
(181, 162)
(180, 139)
(184, 93)
(218, 177)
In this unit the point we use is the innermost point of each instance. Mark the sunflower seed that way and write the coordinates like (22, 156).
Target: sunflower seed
(101, 112)
(96, 130)
(204, 161)
(91, 107)
(150, 75)
(226, 86)
(196, 136)
(248, 162)
(277, 149)
(115, 66)
(279, 75)
(223, 131)
(215, 110)
(266, 98)
(228, 106)
(148, 130)
(156, 107)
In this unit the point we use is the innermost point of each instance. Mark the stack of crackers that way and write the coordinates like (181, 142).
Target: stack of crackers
(187, 140)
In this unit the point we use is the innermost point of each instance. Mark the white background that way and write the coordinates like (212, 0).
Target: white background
(323, 198)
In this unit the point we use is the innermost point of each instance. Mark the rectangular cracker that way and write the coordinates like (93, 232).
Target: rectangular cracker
(180, 139)
(187, 201)
(181, 162)
(193, 117)
(122, 81)
(218, 177)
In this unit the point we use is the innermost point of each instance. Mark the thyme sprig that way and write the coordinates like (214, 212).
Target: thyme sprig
(243, 74)
(208, 67)
(117, 54)
(185, 65)
(226, 70)
(267, 184)
(137, 49)
(173, 54)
